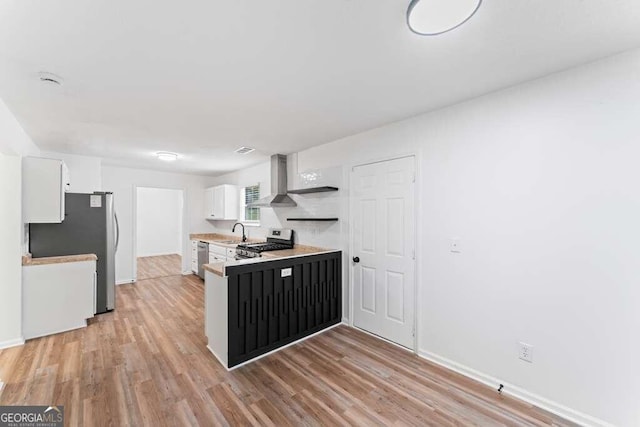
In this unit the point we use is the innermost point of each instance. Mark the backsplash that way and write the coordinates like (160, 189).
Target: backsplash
(314, 205)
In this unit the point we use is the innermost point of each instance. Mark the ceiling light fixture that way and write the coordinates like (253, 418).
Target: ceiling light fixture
(167, 156)
(433, 17)
(245, 150)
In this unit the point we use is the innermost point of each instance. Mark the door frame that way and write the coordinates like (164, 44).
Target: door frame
(134, 229)
(417, 246)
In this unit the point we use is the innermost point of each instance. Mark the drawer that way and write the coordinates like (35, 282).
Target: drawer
(218, 250)
(194, 266)
(216, 258)
(194, 244)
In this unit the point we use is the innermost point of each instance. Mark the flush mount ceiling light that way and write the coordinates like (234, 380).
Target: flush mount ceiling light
(433, 17)
(245, 150)
(167, 156)
(50, 78)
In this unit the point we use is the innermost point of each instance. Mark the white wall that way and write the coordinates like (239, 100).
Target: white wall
(123, 181)
(85, 172)
(14, 143)
(159, 222)
(540, 182)
(10, 251)
(13, 139)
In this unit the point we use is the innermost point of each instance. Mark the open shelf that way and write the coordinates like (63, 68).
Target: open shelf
(313, 190)
(313, 219)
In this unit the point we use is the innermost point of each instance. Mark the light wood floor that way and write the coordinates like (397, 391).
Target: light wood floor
(146, 364)
(152, 267)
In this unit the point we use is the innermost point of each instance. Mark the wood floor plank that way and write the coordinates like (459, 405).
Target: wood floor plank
(153, 267)
(147, 363)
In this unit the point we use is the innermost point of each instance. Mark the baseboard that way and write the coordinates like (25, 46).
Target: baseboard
(158, 254)
(125, 282)
(517, 392)
(12, 343)
(187, 273)
(83, 324)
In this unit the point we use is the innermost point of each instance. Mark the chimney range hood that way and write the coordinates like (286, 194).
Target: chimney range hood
(278, 197)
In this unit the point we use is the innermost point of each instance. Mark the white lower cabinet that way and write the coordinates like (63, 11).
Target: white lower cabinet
(194, 256)
(217, 253)
(216, 258)
(57, 297)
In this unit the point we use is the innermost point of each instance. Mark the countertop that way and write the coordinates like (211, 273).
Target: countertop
(221, 239)
(27, 260)
(297, 251)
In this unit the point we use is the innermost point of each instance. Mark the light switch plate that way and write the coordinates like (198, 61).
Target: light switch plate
(455, 245)
(285, 272)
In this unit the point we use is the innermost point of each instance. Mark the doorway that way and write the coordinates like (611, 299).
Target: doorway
(159, 240)
(383, 249)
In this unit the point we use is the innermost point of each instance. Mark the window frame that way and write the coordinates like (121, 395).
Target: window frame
(243, 205)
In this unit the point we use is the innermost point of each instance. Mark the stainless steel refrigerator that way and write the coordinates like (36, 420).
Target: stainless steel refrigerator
(90, 226)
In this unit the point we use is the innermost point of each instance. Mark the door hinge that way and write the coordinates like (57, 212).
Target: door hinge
(413, 179)
(413, 254)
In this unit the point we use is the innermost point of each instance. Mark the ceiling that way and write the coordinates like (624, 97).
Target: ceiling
(203, 78)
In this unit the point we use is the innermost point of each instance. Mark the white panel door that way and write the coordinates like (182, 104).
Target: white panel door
(383, 243)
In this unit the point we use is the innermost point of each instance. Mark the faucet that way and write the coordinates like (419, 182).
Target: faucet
(244, 237)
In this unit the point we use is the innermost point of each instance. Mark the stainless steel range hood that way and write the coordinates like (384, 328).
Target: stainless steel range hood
(278, 197)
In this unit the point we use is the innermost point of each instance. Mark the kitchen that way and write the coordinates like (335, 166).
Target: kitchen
(434, 229)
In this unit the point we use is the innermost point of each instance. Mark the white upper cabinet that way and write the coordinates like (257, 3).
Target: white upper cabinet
(44, 183)
(221, 202)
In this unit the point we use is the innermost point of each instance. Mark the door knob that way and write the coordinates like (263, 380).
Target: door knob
(356, 259)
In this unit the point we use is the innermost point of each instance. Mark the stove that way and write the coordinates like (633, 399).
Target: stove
(277, 239)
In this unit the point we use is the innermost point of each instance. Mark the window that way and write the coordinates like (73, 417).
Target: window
(251, 194)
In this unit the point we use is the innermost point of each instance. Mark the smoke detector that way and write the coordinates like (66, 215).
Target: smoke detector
(50, 78)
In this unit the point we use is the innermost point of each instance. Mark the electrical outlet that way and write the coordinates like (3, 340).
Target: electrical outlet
(525, 352)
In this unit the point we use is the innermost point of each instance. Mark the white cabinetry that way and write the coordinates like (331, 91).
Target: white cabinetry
(221, 202)
(57, 297)
(44, 183)
(194, 256)
(217, 253)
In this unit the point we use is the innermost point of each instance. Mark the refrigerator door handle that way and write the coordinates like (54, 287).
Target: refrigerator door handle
(115, 215)
(95, 292)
